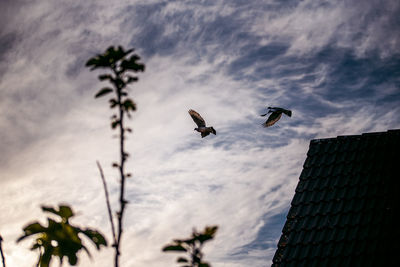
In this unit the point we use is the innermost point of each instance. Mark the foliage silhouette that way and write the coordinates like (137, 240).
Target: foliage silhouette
(60, 238)
(122, 64)
(192, 246)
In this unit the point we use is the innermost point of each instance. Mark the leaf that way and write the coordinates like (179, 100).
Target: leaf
(208, 233)
(114, 124)
(49, 209)
(66, 212)
(100, 61)
(132, 65)
(108, 59)
(105, 77)
(181, 259)
(97, 238)
(31, 229)
(178, 248)
(103, 92)
(129, 105)
(117, 54)
(113, 104)
(132, 79)
(46, 257)
(60, 239)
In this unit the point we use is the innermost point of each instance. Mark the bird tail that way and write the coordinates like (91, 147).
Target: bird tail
(213, 131)
(204, 134)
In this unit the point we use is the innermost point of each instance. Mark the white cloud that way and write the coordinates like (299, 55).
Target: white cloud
(237, 179)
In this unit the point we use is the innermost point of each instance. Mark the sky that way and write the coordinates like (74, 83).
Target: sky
(335, 64)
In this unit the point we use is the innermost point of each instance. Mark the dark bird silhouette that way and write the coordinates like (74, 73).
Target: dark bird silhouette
(276, 114)
(201, 124)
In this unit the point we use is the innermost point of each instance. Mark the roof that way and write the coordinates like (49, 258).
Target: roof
(343, 211)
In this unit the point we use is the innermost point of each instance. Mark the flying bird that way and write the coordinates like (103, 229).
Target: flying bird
(276, 114)
(201, 124)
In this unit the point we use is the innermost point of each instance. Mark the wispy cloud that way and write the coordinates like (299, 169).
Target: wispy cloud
(336, 65)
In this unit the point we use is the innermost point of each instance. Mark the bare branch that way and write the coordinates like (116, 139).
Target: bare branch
(1, 252)
(108, 203)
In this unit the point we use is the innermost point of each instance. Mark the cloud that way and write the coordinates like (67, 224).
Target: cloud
(335, 65)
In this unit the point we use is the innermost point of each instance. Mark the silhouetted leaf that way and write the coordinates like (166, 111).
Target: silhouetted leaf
(114, 124)
(46, 257)
(50, 209)
(113, 104)
(60, 239)
(105, 77)
(97, 238)
(181, 259)
(132, 79)
(193, 246)
(103, 92)
(31, 229)
(72, 259)
(178, 248)
(116, 54)
(65, 212)
(131, 64)
(129, 105)
(208, 234)
(99, 61)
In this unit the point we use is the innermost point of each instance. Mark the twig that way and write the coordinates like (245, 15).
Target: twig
(108, 203)
(2, 254)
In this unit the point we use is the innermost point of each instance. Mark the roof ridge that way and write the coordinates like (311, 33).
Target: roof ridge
(319, 140)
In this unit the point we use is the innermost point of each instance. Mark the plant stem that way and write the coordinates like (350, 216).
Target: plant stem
(1, 252)
(122, 200)
(108, 203)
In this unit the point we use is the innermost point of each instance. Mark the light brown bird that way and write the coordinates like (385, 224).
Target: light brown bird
(201, 124)
(276, 114)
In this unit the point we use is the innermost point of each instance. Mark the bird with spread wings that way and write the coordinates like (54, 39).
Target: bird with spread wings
(201, 124)
(276, 114)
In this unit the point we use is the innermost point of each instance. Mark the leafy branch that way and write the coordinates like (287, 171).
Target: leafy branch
(192, 246)
(122, 65)
(60, 238)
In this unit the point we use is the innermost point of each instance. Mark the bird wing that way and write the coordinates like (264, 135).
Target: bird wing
(286, 111)
(197, 118)
(274, 117)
